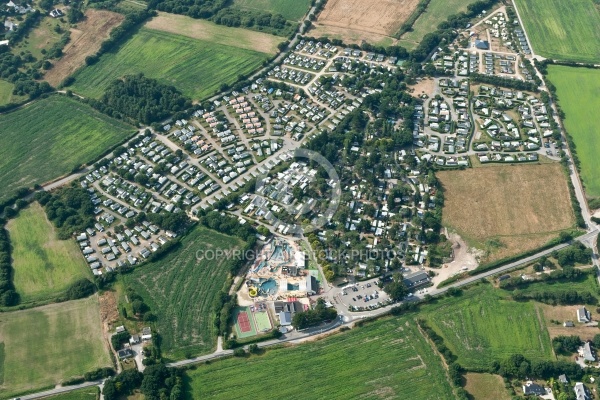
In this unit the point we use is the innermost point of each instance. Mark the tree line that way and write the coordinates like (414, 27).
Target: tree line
(314, 316)
(8, 295)
(70, 209)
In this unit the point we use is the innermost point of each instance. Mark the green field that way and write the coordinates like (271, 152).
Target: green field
(578, 91)
(587, 283)
(45, 345)
(181, 290)
(437, 11)
(196, 67)
(6, 89)
(292, 10)
(43, 265)
(564, 30)
(480, 326)
(387, 359)
(50, 137)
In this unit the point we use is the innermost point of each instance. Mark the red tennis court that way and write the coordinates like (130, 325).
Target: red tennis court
(244, 322)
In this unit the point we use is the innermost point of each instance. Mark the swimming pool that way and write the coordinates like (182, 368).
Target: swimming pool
(268, 287)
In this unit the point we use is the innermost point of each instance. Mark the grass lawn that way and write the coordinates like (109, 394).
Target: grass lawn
(437, 11)
(196, 67)
(181, 290)
(388, 358)
(578, 91)
(481, 326)
(292, 10)
(42, 37)
(587, 283)
(486, 386)
(564, 30)
(45, 345)
(6, 95)
(50, 137)
(524, 208)
(43, 265)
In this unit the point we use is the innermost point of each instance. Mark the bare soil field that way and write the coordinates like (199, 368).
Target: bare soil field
(353, 21)
(425, 86)
(85, 41)
(209, 31)
(506, 210)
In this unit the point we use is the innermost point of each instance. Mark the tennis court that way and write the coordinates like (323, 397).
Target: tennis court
(244, 325)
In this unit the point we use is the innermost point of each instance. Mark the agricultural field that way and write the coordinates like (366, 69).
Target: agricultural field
(292, 10)
(181, 290)
(507, 210)
(437, 11)
(196, 67)
(50, 137)
(566, 313)
(563, 30)
(44, 346)
(578, 92)
(43, 265)
(85, 40)
(470, 324)
(388, 358)
(486, 386)
(353, 21)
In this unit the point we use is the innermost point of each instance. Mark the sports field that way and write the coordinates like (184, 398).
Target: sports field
(244, 323)
(578, 91)
(563, 30)
(292, 10)
(196, 67)
(480, 326)
(507, 210)
(437, 11)
(387, 359)
(263, 323)
(43, 265)
(48, 138)
(45, 345)
(181, 290)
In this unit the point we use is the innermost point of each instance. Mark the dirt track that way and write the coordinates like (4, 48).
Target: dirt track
(85, 41)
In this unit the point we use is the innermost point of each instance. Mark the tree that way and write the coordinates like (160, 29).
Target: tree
(396, 289)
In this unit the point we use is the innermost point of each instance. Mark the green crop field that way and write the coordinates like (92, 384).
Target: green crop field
(50, 137)
(578, 91)
(44, 346)
(470, 325)
(196, 67)
(43, 265)
(181, 290)
(437, 11)
(565, 30)
(388, 359)
(292, 10)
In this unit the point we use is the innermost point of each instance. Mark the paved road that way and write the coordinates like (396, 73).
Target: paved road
(59, 390)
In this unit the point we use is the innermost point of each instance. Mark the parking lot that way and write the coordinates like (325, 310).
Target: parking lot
(364, 295)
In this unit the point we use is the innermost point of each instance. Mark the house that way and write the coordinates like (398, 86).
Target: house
(563, 379)
(120, 329)
(146, 333)
(285, 318)
(134, 339)
(56, 13)
(482, 44)
(4, 42)
(531, 388)
(312, 287)
(581, 392)
(586, 352)
(568, 324)
(124, 353)
(10, 26)
(583, 315)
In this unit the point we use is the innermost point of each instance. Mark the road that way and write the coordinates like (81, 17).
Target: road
(60, 390)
